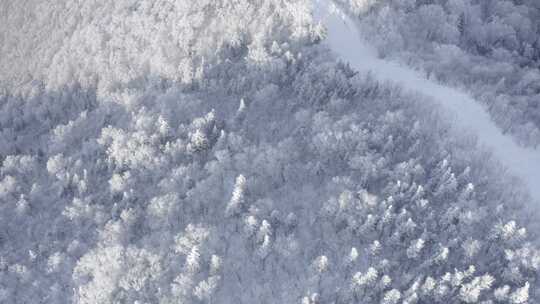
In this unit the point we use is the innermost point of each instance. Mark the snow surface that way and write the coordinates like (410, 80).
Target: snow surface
(345, 40)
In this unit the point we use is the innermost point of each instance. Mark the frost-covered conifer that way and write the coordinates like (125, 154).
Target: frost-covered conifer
(238, 199)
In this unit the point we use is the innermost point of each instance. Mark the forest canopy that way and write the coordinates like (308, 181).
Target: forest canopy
(490, 48)
(156, 152)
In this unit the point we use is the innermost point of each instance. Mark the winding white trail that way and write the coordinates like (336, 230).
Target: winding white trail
(345, 40)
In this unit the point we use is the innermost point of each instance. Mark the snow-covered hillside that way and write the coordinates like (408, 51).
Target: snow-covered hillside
(220, 152)
(467, 114)
(490, 48)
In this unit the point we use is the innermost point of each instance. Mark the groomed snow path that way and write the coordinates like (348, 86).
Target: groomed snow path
(345, 41)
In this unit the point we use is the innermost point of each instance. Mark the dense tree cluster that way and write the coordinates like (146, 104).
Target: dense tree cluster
(489, 47)
(240, 163)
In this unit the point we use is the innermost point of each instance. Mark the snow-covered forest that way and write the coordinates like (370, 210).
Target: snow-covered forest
(220, 151)
(490, 48)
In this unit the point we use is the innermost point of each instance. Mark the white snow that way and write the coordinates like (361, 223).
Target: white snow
(345, 40)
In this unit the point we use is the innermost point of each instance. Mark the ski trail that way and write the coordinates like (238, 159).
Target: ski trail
(345, 40)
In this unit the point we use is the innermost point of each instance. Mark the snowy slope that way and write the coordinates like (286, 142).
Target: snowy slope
(345, 40)
(215, 152)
